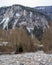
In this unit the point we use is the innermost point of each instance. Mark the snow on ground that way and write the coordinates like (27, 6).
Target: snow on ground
(37, 58)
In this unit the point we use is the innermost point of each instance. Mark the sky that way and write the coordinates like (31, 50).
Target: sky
(29, 3)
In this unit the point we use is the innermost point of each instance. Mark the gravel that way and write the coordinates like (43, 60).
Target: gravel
(37, 58)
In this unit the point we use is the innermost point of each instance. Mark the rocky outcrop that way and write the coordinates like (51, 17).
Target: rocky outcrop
(17, 15)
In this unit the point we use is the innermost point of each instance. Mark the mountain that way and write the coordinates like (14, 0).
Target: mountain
(47, 10)
(18, 16)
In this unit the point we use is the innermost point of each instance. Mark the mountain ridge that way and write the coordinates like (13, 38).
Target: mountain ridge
(11, 12)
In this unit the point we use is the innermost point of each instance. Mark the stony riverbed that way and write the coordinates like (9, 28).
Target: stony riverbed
(37, 58)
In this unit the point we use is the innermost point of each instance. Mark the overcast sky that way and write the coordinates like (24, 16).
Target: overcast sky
(29, 3)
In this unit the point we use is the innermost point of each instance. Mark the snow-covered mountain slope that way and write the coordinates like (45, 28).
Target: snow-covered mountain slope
(18, 16)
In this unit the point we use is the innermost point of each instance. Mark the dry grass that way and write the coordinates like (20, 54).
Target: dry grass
(18, 38)
(47, 40)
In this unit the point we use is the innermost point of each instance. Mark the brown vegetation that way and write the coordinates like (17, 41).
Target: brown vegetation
(47, 40)
(18, 39)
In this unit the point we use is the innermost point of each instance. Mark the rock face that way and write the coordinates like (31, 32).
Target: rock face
(37, 58)
(17, 15)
